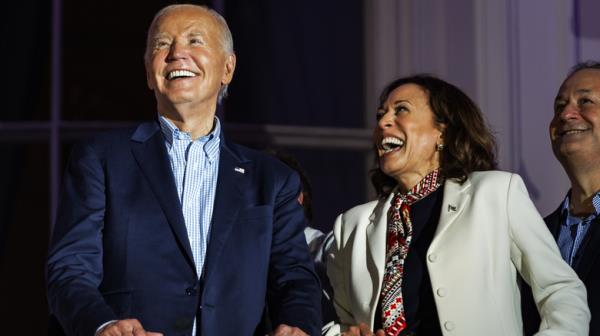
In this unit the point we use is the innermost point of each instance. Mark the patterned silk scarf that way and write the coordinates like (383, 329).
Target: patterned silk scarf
(399, 235)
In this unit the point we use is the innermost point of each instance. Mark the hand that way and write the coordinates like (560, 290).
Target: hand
(362, 330)
(286, 330)
(131, 327)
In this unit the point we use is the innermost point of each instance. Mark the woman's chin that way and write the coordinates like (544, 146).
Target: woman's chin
(393, 170)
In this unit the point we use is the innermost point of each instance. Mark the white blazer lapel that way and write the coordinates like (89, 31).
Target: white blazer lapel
(456, 197)
(376, 241)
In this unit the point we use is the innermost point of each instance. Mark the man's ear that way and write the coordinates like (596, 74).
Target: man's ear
(229, 69)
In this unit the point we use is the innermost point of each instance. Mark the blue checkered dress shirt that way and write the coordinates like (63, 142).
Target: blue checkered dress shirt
(573, 229)
(195, 165)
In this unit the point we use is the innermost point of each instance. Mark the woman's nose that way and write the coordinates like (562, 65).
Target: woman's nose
(386, 120)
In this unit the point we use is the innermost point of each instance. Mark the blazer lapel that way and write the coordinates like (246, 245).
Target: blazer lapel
(376, 240)
(553, 222)
(234, 174)
(590, 250)
(589, 253)
(453, 204)
(148, 148)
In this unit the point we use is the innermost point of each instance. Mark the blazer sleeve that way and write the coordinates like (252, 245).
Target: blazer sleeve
(295, 292)
(337, 273)
(74, 266)
(559, 294)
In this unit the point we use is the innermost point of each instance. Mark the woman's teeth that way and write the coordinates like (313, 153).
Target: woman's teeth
(388, 144)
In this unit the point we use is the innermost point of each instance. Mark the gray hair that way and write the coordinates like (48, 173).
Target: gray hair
(225, 38)
(590, 64)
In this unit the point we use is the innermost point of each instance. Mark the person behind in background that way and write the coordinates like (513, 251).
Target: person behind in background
(318, 242)
(438, 252)
(169, 227)
(575, 138)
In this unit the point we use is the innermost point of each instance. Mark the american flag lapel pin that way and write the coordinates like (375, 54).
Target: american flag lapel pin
(239, 170)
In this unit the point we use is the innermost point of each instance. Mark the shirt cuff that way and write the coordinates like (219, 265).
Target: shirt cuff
(102, 326)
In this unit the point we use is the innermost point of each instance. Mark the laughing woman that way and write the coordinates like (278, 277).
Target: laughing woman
(438, 252)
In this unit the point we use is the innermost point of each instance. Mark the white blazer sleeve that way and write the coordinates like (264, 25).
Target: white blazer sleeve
(338, 277)
(558, 292)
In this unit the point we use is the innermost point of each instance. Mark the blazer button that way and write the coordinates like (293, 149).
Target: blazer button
(190, 291)
(441, 292)
(432, 257)
(449, 325)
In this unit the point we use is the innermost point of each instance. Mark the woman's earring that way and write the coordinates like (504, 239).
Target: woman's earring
(439, 147)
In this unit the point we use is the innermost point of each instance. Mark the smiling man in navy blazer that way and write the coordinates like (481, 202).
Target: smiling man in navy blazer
(169, 227)
(575, 138)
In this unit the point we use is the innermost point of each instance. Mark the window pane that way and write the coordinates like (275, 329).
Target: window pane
(299, 63)
(26, 59)
(103, 66)
(24, 230)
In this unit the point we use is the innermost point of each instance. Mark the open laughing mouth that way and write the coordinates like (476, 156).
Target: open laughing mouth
(178, 74)
(390, 144)
(571, 132)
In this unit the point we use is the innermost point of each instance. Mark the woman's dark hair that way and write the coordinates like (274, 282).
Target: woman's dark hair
(468, 143)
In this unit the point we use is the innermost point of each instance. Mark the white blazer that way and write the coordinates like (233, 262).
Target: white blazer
(488, 230)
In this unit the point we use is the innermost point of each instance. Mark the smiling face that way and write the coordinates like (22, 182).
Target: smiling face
(186, 62)
(407, 136)
(575, 128)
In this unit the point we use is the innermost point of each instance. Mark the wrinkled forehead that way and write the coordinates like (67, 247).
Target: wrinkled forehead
(185, 18)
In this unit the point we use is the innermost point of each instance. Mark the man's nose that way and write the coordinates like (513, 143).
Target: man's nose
(177, 51)
(570, 111)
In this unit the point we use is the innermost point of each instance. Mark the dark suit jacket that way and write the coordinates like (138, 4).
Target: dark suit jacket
(120, 247)
(587, 266)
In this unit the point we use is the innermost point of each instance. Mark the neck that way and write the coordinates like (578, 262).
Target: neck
(194, 120)
(407, 181)
(584, 186)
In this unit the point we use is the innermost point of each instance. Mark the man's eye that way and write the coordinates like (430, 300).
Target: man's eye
(196, 41)
(559, 106)
(582, 101)
(161, 44)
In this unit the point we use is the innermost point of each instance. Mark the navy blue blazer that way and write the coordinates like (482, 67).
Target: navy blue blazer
(120, 247)
(587, 267)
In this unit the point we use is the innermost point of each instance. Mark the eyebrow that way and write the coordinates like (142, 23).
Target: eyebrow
(579, 91)
(195, 33)
(159, 36)
(401, 101)
(395, 103)
(165, 35)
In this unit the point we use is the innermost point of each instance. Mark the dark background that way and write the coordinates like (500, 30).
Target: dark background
(299, 65)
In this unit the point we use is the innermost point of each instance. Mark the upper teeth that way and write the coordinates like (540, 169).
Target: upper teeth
(180, 73)
(389, 143)
(572, 131)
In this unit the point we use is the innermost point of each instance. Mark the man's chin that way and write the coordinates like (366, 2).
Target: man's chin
(574, 150)
(176, 99)
(185, 97)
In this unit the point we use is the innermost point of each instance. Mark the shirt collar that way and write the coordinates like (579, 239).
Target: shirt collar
(211, 141)
(566, 213)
